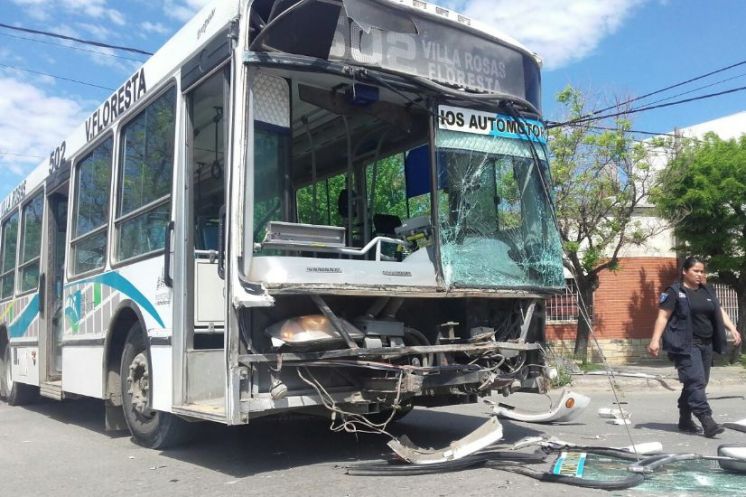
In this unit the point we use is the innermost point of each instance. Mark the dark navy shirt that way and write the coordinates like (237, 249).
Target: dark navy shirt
(701, 305)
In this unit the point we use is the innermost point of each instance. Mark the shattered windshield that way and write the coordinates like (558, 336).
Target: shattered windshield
(496, 224)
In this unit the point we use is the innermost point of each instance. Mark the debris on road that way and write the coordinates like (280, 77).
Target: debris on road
(644, 376)
(487, 434)
(569, 406)
(620, 468)
(617, 414)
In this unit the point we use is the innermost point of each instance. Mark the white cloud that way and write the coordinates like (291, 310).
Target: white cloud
(155, 27)
(183, 10)
(100, 56)
(116, 17)
(561, 32)
(96, 9)
(99, 32)
(33, 123)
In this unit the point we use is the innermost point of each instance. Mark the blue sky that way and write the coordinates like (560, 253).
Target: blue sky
(611, 49)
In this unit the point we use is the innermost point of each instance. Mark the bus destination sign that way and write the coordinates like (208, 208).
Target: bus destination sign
(452, 56)
(489, 123)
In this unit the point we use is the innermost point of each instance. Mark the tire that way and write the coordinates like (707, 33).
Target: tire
(13, 392)
(149, 428)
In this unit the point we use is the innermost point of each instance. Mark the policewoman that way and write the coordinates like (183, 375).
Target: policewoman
(692, 325)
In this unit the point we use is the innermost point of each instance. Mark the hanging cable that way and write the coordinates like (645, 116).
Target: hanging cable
(71, 47)
(582, 119)
(14, 154)
(583, 309)
(76, 40)
(351, 422)
(670, 87)
(697, 89)
(62, 78)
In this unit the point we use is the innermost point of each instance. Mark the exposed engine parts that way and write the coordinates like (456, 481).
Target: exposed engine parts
(375, 357)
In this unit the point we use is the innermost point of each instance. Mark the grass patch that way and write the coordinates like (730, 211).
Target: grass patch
(588, 367)
(564, 378)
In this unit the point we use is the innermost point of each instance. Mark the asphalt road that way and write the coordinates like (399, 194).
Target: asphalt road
(61, 449)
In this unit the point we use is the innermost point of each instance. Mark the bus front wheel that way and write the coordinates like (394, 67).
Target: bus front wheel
(14, 393)
(149, 428)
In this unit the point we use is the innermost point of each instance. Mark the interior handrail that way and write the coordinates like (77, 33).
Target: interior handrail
(319, 247)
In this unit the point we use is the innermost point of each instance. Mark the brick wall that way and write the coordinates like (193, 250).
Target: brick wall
(616, 351)
(626, 305)
(626, 302)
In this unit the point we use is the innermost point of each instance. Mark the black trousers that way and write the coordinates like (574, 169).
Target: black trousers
(694, 374)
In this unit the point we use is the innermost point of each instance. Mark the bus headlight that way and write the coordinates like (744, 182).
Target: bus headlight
(314, 329)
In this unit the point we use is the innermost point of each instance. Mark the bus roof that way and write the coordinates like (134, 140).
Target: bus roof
(162, 65)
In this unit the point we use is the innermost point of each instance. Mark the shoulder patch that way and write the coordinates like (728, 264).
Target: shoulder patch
(664, 297)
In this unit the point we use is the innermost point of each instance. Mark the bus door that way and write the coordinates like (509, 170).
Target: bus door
(207, 133)
(54, 276)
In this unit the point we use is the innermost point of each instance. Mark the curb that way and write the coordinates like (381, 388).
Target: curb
(664, 379)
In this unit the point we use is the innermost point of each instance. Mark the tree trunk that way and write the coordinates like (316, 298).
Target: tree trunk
(585, 296)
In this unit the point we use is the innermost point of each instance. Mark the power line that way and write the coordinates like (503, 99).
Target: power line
(652, 133)
(77, 40)
(698, 88)
(590, 118)
(676, 85)
(107, 54)
(56, 77)
(2, 152)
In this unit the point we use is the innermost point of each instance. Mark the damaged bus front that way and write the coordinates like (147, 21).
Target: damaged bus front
(391, 230)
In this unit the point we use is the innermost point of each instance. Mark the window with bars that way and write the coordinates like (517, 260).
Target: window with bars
(563, 307)
(728, 300)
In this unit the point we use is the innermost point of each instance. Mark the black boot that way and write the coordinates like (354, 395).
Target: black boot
(710, 427)
(686, 423)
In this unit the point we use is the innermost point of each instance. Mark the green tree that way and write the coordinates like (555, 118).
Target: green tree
(705, 186)
(602, 178)
(389, 196)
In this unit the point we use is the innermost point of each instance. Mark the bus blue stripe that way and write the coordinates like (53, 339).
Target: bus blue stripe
(122, 284)
(18, 327)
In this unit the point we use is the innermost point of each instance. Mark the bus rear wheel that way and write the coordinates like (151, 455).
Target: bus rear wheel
(13, 392)
(149, 428)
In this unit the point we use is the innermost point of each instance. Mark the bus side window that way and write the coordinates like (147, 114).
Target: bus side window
(146, 172)
(8, 259)
(30, 255)
(91, 214)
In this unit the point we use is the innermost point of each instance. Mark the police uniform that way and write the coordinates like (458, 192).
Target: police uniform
(694, 330)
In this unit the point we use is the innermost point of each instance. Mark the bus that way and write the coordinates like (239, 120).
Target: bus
(336, 207)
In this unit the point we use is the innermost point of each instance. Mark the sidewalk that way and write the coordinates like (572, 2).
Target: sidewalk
(663, 376)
